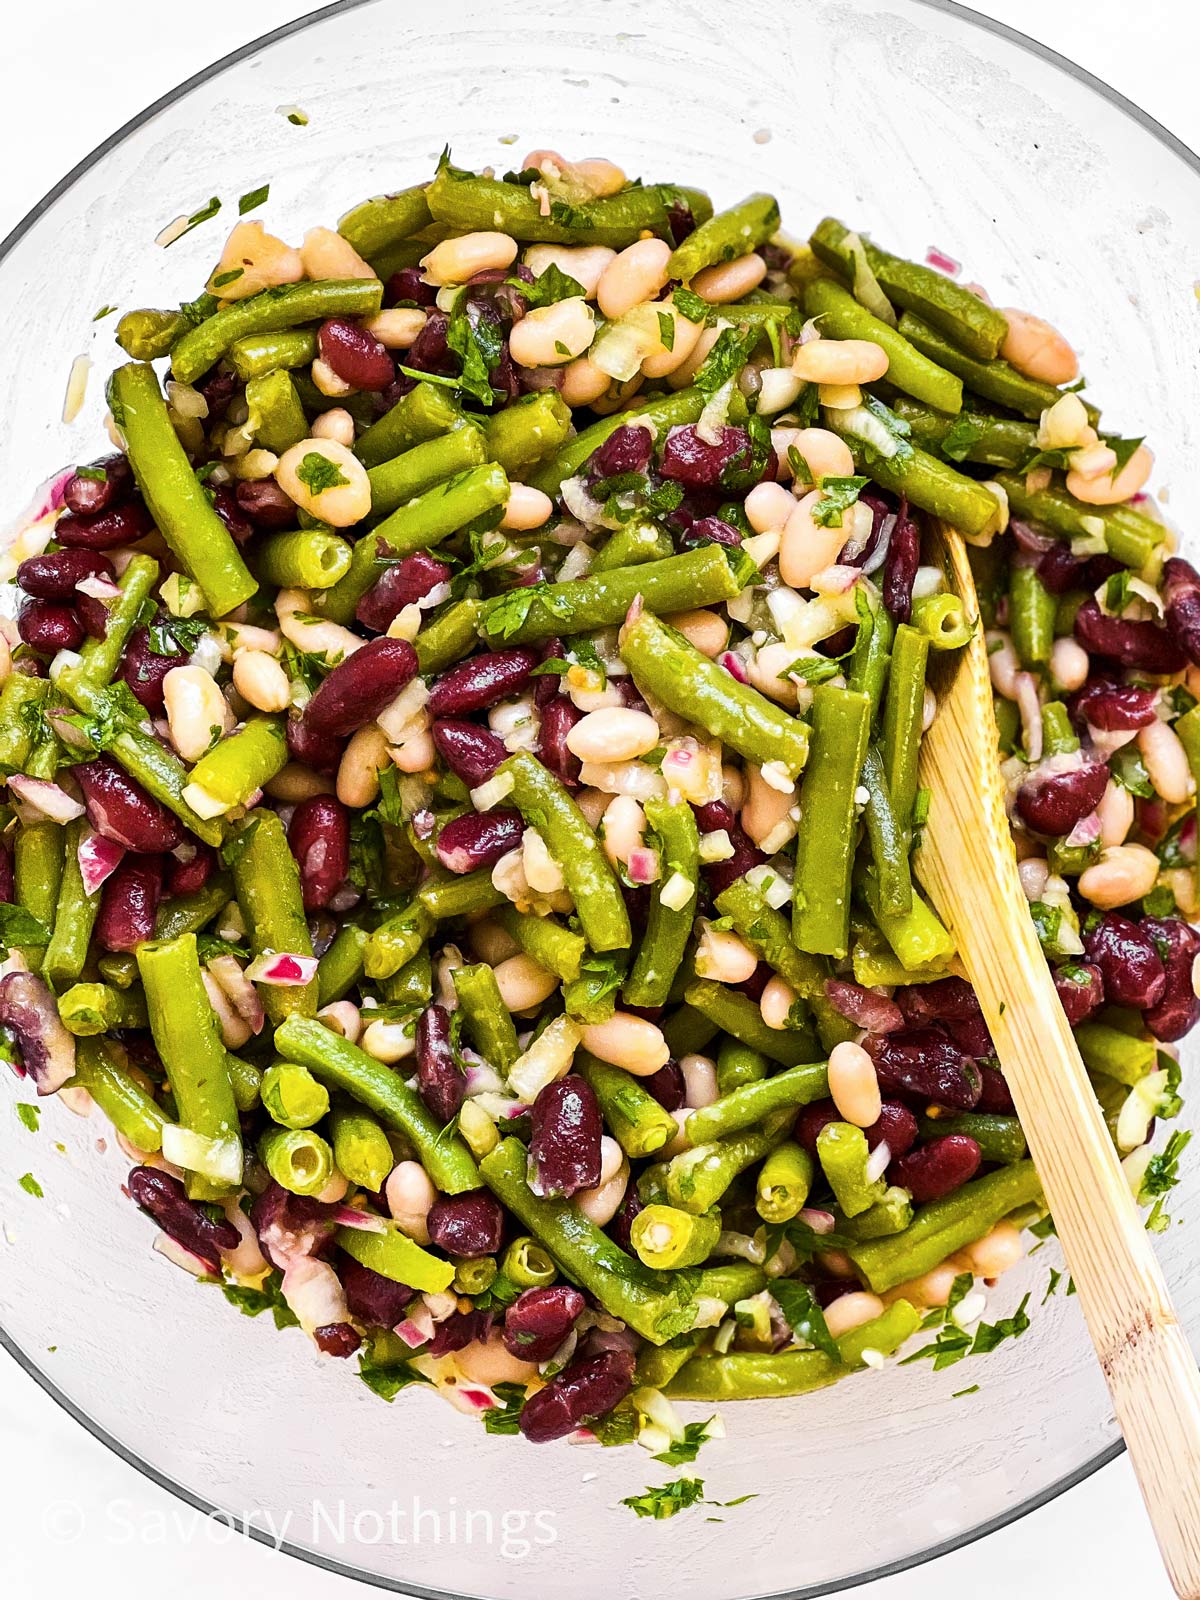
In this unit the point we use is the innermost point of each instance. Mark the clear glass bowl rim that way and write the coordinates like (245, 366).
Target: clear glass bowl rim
(312, 1557)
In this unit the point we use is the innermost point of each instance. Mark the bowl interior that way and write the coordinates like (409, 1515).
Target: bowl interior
(922, 127)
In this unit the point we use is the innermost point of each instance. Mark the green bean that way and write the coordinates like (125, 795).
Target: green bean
(284, 306)
(592, 997)
(423, 413)
(342, 1065)
(135, 1115)
(232, 772)
(394, 1255)
(412, 986)
(551, 945)
(631, 1114)
(74, 915)
(994, 380)
(547, 806)
(735, 1280)
(737, 1014)
(376, 225)
(469, 203)
(267, 883)
(291, 1095)
(738, 1064)
(1129, 535)
(100, 658)
(527, 430)
(664, 411)
(945, 1226)
(726, 236)
(971, 323)
(419, 525)
(1115, 1053)
(1058, 736)
(747, 1106)
(361, 1151)
(398, 940)
(891, 1214)
(696, 1179)
(147, 335)
(871, 656)
(665, 1237)
(903, 717)
(910, 369)
(688, 1031)
(451, 896)
(667, 929)
(876, 965)
(784, 1180)
(22, 699)
(943, 619)
(977, 435)
(1031, 610)
(475, 1275)
(298, 1159)
(917, 936)
(260, 353)
(310, 558)
(486, 1021)
(449, 637)
(999, 1138)
(37, 870)
(843, 1152)
(828, 820)
(630, 545)
(187, 1037)
(192, 912)
(276, 417)
(887, 838)
(527, 1265)
(246, 1081)
(394, 483)
(925, 482)
(198, 538)
(91, 1008)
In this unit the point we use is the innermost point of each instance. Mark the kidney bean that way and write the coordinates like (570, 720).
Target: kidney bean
(319, 838)
(866, 1009)
(227, 506)
(995, 1096)
(143, 669)
(628, 448)
(408, 287)
(340, 1339)
(360, 687)
(718, 875)
(47, 1050)
(54, 576)
(372, 1298)
(1059, 570)
(895, 1126)
(481, 682)
(559, 716)
(753, 986)
(1129, 962)
(688, 459)
(402, 584)
(589, 1387)
(439, 1082)
(290, 1225)
(467, 1225)
(811, 1119)
(925, 1063)
(185, 877)
(458, 1330)
(1140, 645)
(93, 614)
(88, 496)
(952, 1003)
(478, 839)
(1181, 597)
(128, 903)
(7, 887)
(667, 1085)
(48, 626)
(538, 1321)
(1052, 803)
(218, 390)
(121, 524)
(429, 351)
(321, 752)
(619, 1228)
(121, 809)
(355, 355)
(900, 568)
(710, 530)
(163, 1197)
(564, 1145)
(1114, 706)
(1080, 988)
(472, 753)
(937, 1168)
(265, 504)
(1178, 1010)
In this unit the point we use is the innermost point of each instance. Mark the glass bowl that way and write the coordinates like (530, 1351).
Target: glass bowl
(924, 125)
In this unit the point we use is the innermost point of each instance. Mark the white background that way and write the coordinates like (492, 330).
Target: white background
(74, 71)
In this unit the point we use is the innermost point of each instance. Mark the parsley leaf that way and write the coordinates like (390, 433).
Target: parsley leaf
(387, 1382)
(253, 199)
(803, 1314)
(104, 311)
(505, 1418)
(28, 1115)
(479, 345)
(1128, 768)
(21, 927)
(318, 473)
(693, 307)
(668, 1499)
(551, 285)
(725, 360)
(1160, 1177)
(1123, 449)
(177, 635)
(666, 330)
(688, 1448)
(837, 496)
(267, 1297)
(31, 1186)
(502, 1291)
(1061, 459)
(222, 278)
(962, 434)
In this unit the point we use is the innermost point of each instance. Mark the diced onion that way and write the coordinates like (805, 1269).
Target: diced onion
(677, 892)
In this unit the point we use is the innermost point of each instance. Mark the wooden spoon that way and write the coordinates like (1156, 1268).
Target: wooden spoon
(968, 865)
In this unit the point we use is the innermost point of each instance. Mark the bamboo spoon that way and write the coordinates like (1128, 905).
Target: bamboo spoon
(967, 864)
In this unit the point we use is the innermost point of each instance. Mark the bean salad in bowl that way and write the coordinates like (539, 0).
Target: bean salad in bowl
(463, 795)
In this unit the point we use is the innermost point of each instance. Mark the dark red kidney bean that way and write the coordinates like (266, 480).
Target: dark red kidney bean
(382, 400)
(48, 626)
(265, 504)
(54, 576)
(1143, 646)
(372, 1298)
(322, 930)
(402, 584)
(47, 1050)
(319, 838)
(995, 1096)
(429, 351)
(564, 1145)
(539, 1320)
(290, 1225)
(128, 903)
(93, 614)
(88, 496)
(1059, 570)
(1080, 988)
(466, 1225)
(185, 877)
(895, 1126)
(1181, 597)
(321, 752)
(546, 686)
(689, 459)
(458, 1330)
(619, 1228)
(709, 530)
(628, 448)
(588, 1388)
(218, 390)
(937, 1168)
(123, 524)
(340, 1339)
(357, 690)
(481, 681)
(1052, 803)
(718, 875)
(163, 1197)
(356, 356)
(225, 504)
(866, 1009)
(472, 753)
(952, 1003)
(408, 287)
(558, 718)
(439, 1082)
(143, 669)
(121, 809)
(1178, 1010)
(900, 568)
(811, 1119)
(1129, 962)
(925, 1063)
(478, 839)
(753, 986)
(668, 1086)
(7, 887)
(1113, 707)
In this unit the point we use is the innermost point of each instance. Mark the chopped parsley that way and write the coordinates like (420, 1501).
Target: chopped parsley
(803, 1314)
(960, 1394)
(387, 1382)
(104, 311)
(666, 330)
(505, 1418)
(962, 434)
(725, 360)
(21, 927)
(1160, 1177)
(253, 198)
(318, 473)
(175, 636)
(837, 496)
(31, 1186)
(205, 212)
(223, 278)
(688, 1448)
(668, 1499)
(1123, 449)
(548, 288)
(28, 1115)
(1056, 1278)
(1129, 769)
(953, 1343)
(479, 344)
(268, 1297)
(693, 308)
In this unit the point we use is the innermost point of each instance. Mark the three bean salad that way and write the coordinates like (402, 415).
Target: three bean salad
(462, 790)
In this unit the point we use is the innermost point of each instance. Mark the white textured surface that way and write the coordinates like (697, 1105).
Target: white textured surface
(58, 103)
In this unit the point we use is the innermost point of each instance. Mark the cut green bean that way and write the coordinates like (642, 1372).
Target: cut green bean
(748, 1105)
(394, 483)
(665, 1237)
(291, 1096)
(267, 883)
(664, 411)
(237, 767)
(887, 838)
(825, 843)
(135, 1115)
(298, 1159)
(737, 1015)
(392, 1254)
(396, 941)
(668, 927)
(361, 1151)
(527, 430)
(632, 544)
(1130, 536)
(551, 945)
(890, 1215)
(310, 558)
(100, 658)
(527, 1265)
(1115, 1053)
(910, 369)
(632, 1115)
(486, 1021)
(452, 896)
(903, 719)
(469, 203)
(784, 1181)
(277, 418)
(377, 225)
(74, 915)
(944, 620)
(1031, 611)
(449, 637)
(726, 236)
(192, 912)
(871, 656)
(423, 413)
(844, 1154)
(260, 353)
(925, 481)
(88, 1009)
(971, 436)
(696, 1179)
(38, 852)
(918, 937)
(285, 306)
(999, 1138)
(994, 380)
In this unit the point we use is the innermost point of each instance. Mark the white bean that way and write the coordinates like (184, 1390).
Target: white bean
(1109, 490)
(261, 681)
(765, 807)
(326, 254)
(583, 382)
(344, 1017)
(807, 547)
(776, 1002)
(700, 1080)
(768, 507)
(852, 1311)
(636, 274)
(707, 631)
(996, 1252)
(601, 1204)
(1038, 350)
(584, 263)
(410, 1195)
(627, 1041)
(457, 260)
(724, 958)
(388, 1041)
(825, 453)
(1124, 873)
(197, 711)
(853, 1084)
(360, 766)
(553, 335)
(526, 508)
(623, 830)
(398, 327)
(336, 424)
(1115, 812)
(730, 280)
(840, 361)
(1069, 665)
(325, 479)
(297, 782)
(524, 984)
(616, 733)
(260, 259)
(1166, 762)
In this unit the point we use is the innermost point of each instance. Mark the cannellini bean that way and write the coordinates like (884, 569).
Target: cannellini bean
(730, 280)
(1115, 812)
(1124, 873)
(594, 804)
(763, 669)
(1166, 762)
(336, 424)
(326, 380)
(327, 255)
(996, 1252)
(853, 1084)
(526, 508)
(825, 453)
(397, 327)
(262, 260)
(410, 1194)
(261, 681)
(778, 388)
(362, 761)
(683, 374)
(583, 382)
(542, 872)
(1069, 665)
(523, 983)
(488, 1361)
(197, 711)
(601, 1204)
(1109, 490)
(297, 782)
(776, 1002)
(636, 274)
(584, 263)
(851, 1311)
(685, 336)
(616, 733)
(326, 480)
(624, 828)
(932, 1288)
(1038, 350)
(457, 260)
(1094, 461)
(388, 1041)
(700, 1080)
(707, 631)
(768, 507)
(343, 1017)
(553, 335)
(415, 752)
(839, 361)
(1003, 665)
(723, 957)
(489, 942)
(808, 548)
(765, 808)
(627, 1041)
